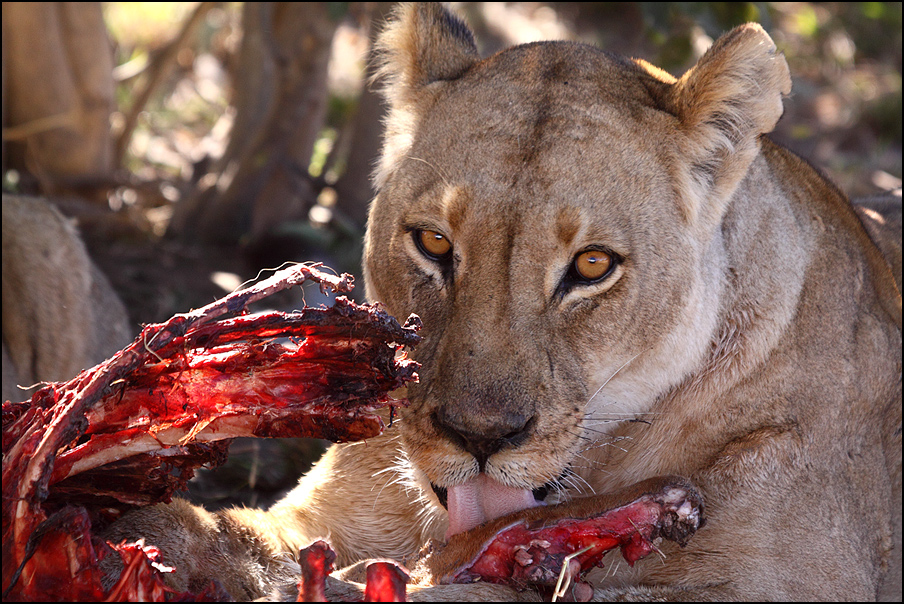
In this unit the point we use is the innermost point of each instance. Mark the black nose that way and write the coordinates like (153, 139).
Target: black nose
(483, 437)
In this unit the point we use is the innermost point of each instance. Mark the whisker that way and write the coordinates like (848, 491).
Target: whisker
(389, 480)
(590, 414)
(578, 483)
(590, 464)
(597, 431)
(579, 435)
(561, 493)
(610, 443)
(435, 169)
(595, 469)
(625, 364)
(626, 420)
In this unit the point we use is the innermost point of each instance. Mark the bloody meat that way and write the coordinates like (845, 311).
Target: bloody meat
(550, 548)
(131, 430)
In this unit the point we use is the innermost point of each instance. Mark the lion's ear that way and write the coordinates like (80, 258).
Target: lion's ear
(421, 45)
(724, 103)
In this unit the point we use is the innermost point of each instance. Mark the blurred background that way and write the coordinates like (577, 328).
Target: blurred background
(197, 143)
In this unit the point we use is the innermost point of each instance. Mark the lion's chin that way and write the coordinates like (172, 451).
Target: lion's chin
(482, 499)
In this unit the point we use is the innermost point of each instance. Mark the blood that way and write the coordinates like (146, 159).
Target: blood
(521, 555)
(131, 430)
(316, 563)
(386, 580)
(544, 548)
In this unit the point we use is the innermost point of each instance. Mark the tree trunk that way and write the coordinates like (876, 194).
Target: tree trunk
(58, 65)
(354, 190)
(280, 100)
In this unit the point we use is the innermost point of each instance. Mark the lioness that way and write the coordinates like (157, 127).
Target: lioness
(619, 278)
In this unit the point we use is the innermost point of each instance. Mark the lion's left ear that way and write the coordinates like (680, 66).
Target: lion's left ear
(724, 103)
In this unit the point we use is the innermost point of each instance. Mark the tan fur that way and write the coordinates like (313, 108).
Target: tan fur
(748, 340)
(60, 314)
(881, 215)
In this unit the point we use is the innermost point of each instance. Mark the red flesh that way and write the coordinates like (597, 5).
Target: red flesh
(386, 582)
(124, 426)
(528, 549)
(316, 563)
(631, 527)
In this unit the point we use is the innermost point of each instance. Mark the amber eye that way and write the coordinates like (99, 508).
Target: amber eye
(432, 244)
(592, 265)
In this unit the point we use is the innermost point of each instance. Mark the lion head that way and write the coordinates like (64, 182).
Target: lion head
(553, 215)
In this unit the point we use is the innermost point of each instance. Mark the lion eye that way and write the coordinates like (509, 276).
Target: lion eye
(432, 244)
(592, 265)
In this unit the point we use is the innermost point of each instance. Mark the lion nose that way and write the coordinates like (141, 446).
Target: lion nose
(486, 438)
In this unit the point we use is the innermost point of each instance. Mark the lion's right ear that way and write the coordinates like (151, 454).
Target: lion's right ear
(421, 45)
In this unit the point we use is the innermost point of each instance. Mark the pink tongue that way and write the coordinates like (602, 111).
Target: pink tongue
(482, 499)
